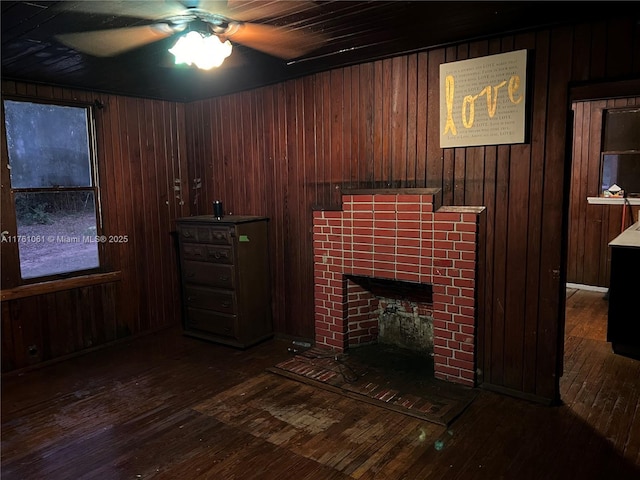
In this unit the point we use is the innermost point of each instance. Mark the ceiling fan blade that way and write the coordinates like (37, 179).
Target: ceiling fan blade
(218, 7)
(277, 41)
(149, 9)
(247, 11)
(107, 43)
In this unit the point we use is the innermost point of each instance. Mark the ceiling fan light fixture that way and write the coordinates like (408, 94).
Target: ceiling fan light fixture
(204, 51)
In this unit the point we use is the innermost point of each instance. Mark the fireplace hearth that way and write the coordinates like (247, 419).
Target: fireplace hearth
(387, 240)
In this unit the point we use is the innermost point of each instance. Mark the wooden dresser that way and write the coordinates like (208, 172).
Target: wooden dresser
(226, 286)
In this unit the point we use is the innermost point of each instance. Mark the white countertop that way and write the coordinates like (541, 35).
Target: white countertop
(629, 238)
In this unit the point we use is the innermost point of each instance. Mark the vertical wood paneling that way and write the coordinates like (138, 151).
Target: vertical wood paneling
(448, 182)
(247, 155)
(336, 131)
(297, 237)
(517, 230)
(592, 246)
(135, 195)
(367, 116)
(460, 154)
(190, 182)
(8, 354)
(580, 59)
(140, 149)
(285, 205)
(205, 194)
(306, 203)
(159, 216)
(474, 168)
(410, 139)
(398, 121)
(232, 161)
(575, 252)
(151, 206)
(619, 32)
(598, 49)
(491, 324)
(274, 208)
(323, 134)
(422, 120)
(434, 156)
(496, 357)
(516, 301)
(551, 291)
(534, 211)
(377, 124)
(346, 124)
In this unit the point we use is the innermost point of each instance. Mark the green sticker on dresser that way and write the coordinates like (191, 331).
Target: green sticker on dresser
(243, 238)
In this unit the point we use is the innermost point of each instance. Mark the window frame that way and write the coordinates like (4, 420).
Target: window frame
(606, 140)
(12, 276)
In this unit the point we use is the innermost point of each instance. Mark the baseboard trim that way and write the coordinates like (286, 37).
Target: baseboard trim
(593, 288)
(520, 395)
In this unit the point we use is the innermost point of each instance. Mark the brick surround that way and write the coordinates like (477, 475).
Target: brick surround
(399, 235)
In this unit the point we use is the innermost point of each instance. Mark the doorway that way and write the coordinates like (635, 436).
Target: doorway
(591, 226)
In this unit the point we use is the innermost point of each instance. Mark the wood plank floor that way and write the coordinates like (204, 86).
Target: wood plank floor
(169, 407)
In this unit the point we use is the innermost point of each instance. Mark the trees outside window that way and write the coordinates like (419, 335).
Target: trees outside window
(54, 188)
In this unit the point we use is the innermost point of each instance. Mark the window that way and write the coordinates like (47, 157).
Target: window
(53, 188)
(622, 169)
(621, 151)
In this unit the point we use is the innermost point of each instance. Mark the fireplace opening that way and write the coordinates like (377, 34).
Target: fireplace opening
(390, 327)
(396, 289)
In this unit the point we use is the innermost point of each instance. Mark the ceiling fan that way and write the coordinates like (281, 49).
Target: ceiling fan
(233, 20)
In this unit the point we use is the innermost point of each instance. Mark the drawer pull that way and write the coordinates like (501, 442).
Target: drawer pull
(219, 236)
(226, 304)
(223, 278)
(191, 275)
(186, 234)
(191, 298)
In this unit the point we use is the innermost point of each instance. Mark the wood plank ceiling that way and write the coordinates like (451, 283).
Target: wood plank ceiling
(351, 31)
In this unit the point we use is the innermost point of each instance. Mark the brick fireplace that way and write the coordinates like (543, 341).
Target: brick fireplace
(401, 235)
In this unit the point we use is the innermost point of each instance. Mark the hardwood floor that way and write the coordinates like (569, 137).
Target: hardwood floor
(170, 407)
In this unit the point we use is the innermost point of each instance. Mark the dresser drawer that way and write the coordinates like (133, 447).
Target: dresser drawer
(212, 274)
(194, 251)
(211, 322)
(219, 254)
(206, 234)
(207, 253)
(220, 236)
(189, 233)
(209, 298)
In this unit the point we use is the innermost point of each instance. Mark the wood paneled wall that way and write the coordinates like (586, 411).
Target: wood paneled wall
(592, 227)
(141, 153)
(284, 149)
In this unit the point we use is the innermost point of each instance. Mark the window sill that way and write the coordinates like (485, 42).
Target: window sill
(613, 200)
(58, 285)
